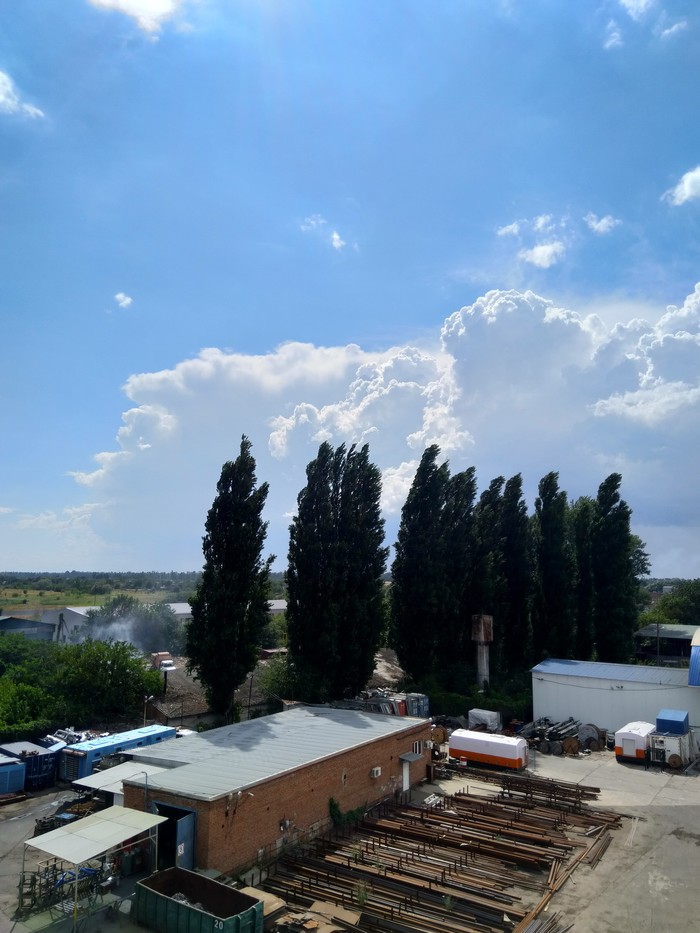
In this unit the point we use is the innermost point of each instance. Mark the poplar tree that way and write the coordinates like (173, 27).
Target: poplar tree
(581, 513)
(555, 573)
(516, 651)
(418, 591)
(452, 635)
(230, 606)
(335, 591)
(615, 558)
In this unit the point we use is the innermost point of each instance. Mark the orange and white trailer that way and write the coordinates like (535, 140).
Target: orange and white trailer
(487, 749)
(633, 740)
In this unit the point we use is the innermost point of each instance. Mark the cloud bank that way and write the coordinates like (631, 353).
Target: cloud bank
(511, 383)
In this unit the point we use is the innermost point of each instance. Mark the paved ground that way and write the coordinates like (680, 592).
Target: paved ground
(649, 879)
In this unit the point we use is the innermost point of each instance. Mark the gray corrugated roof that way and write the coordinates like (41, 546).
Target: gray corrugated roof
(221, 761)
(639, 673)
(681, 632)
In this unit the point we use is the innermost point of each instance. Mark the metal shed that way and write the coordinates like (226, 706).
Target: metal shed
(610, 695)
(66, 879)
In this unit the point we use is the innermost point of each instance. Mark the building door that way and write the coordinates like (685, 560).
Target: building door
(405, 775)
(176, 838)
(184, 842)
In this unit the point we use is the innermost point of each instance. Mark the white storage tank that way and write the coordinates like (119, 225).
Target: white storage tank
(632, 741)
(487, 749)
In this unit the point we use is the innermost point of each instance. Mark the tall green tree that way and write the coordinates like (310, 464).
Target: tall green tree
(335, 606)
(419, 573)
(616, 560)
(229, 608)
(555, 573)
(581, 514)
(452, 635)
(487, 590)
(516, 649)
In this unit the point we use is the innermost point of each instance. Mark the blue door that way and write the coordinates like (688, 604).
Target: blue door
(184, 841)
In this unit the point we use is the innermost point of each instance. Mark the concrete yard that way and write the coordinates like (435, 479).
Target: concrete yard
(647, 879)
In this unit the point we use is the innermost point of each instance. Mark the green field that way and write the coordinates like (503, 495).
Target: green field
(30, 603)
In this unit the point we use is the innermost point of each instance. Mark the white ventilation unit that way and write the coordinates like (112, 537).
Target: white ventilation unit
(375, 772)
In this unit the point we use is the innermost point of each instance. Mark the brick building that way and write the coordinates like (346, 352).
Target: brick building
(238, 794)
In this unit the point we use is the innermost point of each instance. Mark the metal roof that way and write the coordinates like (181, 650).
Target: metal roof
(111, 778)
(94, 835)
(694, 671)
(218, 762)
(637, 673)
(679, 632)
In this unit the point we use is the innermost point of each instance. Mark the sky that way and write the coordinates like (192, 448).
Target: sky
(471, 223)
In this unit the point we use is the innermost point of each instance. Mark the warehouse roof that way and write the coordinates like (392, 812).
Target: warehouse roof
(218, 762)
(638, 673)
(675, 632)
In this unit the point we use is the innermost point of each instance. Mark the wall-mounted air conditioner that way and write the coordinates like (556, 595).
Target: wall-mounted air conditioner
(375, 772)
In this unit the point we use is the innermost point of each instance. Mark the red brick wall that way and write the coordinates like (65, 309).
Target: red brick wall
(229, 834)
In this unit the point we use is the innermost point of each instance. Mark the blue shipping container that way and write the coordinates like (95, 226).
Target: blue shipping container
(672, 721)
(12, 772)
(78, 761)
(40, 763)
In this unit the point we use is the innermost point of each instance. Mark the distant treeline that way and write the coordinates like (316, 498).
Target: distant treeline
(178, 585)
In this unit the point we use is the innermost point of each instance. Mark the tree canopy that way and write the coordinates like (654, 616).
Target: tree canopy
(335, 605)
(560, 583)
(229, 608)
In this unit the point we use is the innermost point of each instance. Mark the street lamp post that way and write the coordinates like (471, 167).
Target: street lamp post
(146, 701)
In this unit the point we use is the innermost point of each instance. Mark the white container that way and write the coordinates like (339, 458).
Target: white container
(632, 741)
(665, 745)
(487, 749)
(484, 717)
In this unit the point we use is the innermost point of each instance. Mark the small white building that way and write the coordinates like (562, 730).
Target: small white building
(610, 695)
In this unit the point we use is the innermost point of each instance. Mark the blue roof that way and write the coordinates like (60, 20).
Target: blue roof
(673, 715)
(133, 735)
(694, 672)
(639, 673)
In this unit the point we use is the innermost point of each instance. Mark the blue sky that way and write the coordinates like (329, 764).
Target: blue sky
(471, 223)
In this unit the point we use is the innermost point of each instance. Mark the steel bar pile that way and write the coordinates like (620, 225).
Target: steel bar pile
(465, 865)
(560, 794)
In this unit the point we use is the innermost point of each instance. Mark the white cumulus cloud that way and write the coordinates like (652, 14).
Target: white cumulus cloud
(123, 300)
(601, 225)
(11, 102)
(509, 229)
(676, 29)
(512, 383)
(613, 36)
(318, 225)
(543, 255)
(637, 8)
(314, 222)
(687, 189)
(148, 14)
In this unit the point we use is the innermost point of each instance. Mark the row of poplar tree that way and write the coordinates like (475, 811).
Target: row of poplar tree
(561, 582)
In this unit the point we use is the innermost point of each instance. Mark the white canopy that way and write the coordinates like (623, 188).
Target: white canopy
(94, 835)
